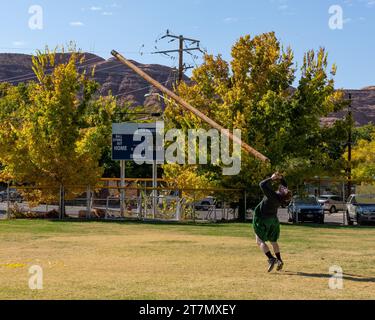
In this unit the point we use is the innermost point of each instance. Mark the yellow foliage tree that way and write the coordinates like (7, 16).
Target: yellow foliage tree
(363, 157)
(187, 178)
(253, 92)
(52, 131)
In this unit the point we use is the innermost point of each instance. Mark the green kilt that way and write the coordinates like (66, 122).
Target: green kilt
(267, 229)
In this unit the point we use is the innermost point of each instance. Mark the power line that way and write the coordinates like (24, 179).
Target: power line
(26, 77)
(140, 89)
(31, 50)
(29, 76)
(185, 45)
(117, 64)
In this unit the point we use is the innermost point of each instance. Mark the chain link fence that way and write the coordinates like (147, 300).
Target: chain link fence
(136, 201)
(139, 201)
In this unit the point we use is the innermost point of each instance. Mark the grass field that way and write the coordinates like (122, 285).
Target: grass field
(95, 260)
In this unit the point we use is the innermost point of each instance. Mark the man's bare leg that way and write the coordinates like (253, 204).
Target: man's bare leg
(266, 250)
(276, 249)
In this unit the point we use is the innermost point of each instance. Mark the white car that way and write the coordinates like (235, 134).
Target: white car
(332, 203)
(171, 197)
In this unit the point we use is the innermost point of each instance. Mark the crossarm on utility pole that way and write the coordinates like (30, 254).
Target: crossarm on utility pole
(189, 107)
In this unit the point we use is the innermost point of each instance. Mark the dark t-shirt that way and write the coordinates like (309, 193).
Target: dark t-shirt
(271, 201)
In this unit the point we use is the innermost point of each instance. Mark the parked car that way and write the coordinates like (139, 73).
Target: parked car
(332, 203)
(13, 196)
(305, 209)
(169, 198)
(360, 209)
(204, 204)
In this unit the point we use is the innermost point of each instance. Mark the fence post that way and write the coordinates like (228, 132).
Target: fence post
(8, 201)
(193, 206)
(344, 217)
(154, 186)
(241, 208)
(178, 209)
(62, 202)
(245, 196)
(88, 199)
(122, 190)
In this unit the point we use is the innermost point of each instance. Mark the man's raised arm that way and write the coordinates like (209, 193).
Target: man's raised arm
(265, 185)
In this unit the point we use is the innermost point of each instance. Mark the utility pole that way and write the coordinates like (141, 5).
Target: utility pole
(350, 143)
(181, 59)
(181, 50)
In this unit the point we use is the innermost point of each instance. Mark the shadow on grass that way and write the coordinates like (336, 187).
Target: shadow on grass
(346, 276)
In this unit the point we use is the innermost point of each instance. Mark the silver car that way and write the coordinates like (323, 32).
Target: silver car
(205, 204)
(360, 209)
(332, 203)
(305, 209)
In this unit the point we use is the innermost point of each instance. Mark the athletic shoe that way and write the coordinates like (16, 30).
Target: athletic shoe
(280, 265)
(271, 264)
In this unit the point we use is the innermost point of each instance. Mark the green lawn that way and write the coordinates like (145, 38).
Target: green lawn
(98, 260)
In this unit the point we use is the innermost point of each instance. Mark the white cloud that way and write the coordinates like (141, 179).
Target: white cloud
(230, 20)
(367, 3)
(284, 7)
(18, 43)
(114, 5)
(106, 13)
(76, 24)
(93, 8)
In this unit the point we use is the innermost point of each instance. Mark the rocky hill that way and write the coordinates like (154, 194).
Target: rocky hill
(111, 74)
(363, 106)
(126, 85)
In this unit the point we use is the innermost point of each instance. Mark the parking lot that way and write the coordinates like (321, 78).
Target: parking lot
(332, 219)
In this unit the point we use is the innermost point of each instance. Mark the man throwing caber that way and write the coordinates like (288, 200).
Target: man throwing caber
(266, 223)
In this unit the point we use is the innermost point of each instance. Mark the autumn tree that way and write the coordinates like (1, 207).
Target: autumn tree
(253, 92)
(52, 130)
(363, 157)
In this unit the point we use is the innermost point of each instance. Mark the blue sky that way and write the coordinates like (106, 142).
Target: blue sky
(102, 25)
